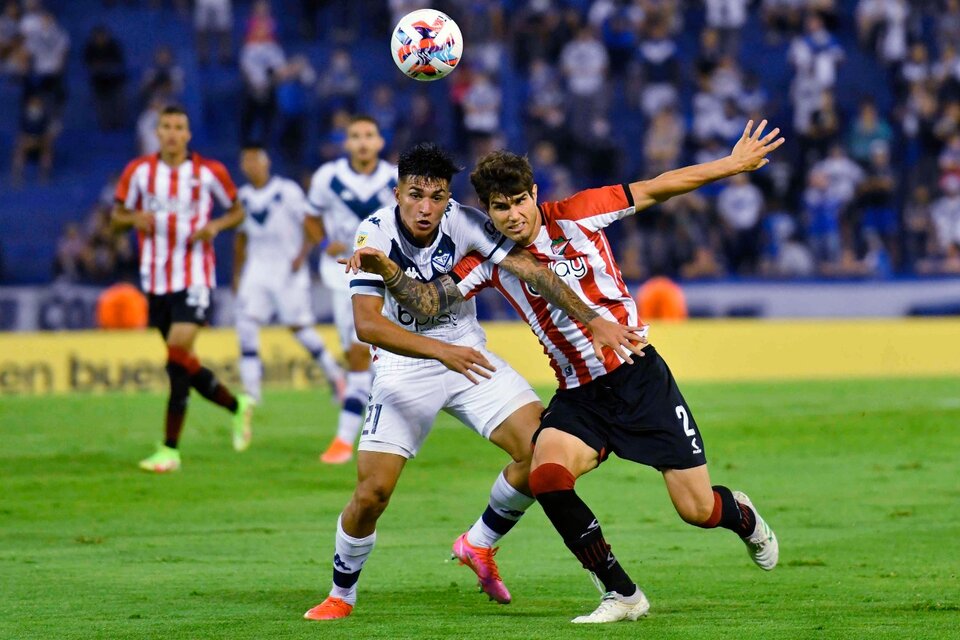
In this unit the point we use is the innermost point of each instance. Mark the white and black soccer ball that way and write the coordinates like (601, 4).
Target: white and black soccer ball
(426, 44)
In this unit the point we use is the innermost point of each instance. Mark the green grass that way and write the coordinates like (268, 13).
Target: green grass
(858, 478)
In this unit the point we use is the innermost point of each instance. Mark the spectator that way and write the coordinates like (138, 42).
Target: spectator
(868, 128)
(740, 205)
(659, 68)
(663, 141)
(584, 63)
(293, 84)
(821, 214)
(10, 38)
(163, 79)
(546, 115)
(420, 123)
(338, 86)
(781, 19)
(917, 226)
(843, 174)
(948, 24)
(260, 59)
(877, 199)
(103, 56)
(552, 178)
(816, 54)
(147, 141)
(70, 260)
(945, 214)
(48, 44)
(481, 111)
(213, 19)
(728, 18)
(384, 109)
(35, 138)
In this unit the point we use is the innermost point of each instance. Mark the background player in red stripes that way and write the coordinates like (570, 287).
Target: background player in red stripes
(168, 197)
(633, 409)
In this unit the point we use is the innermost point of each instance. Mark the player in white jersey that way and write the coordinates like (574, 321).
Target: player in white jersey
(270, 274)
(168, 197)
(342, 193)
(634, 410)
(419, 361)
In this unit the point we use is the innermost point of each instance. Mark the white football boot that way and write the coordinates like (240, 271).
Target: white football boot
(762, 544)
(614, 608)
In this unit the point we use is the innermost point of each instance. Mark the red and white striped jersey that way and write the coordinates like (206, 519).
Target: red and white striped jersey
(181, 201)
(572, 243)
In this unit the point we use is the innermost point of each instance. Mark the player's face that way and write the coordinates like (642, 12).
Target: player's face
(363, 142)
(517, 216)
(422, 202)
(173, 132)
(255, 165)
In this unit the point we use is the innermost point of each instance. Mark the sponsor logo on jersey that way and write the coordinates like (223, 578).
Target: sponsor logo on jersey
(572, 268)
(362, 239)
(491, 230)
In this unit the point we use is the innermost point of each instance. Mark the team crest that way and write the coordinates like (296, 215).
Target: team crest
(362, 239)
(442, 261)
(558, 245)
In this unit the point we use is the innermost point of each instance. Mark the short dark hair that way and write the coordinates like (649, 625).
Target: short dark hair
(427, 160)
(173, 110)
(501, 173)
(362, 117)
(253, 145)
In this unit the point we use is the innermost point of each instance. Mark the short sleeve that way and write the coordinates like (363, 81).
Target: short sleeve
(473, 273)
(127, 191)
(317, 198)
(363, 283)
(593, 209)
(222, 186)
(478, 234)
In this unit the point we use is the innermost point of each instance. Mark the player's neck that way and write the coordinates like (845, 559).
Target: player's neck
(365, 168)
(173, 159)
(260, 184)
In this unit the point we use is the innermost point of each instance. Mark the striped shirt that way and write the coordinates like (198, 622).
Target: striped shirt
(572, 243)
(181, 200)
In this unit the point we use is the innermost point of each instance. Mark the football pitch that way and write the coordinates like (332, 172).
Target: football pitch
(859, 479)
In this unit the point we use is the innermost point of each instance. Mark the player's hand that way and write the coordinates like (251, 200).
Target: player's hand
(622, 339)
(336, 248)
(368, 259)
(750, 152)
(144, 221)
(466, 361)
(206, 233)
(297, 263)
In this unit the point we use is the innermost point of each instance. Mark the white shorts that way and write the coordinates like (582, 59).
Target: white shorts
(289, 301)
(343, 318)
(404, 403)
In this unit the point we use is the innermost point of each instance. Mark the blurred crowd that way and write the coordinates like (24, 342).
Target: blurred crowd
(605, 91)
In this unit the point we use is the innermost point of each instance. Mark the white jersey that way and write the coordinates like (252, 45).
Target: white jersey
(273, 226)
(461, 231)
(341, 197)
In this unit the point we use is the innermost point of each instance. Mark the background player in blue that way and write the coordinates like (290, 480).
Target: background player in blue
(342, 193)
(270, 276)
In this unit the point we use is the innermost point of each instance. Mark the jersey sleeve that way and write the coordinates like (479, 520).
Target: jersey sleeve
(222, 186)
(473, 274)
(363, 283)
(477, 233)
(317, 196)
(594, 209)
(298, 201)
(127, 191)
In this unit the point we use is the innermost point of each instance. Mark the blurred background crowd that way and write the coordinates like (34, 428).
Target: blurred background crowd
(867, 93)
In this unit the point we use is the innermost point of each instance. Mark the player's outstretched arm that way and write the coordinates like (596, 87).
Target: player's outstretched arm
(623, 340)
(749, 154)
(373, 328)
(422, 299)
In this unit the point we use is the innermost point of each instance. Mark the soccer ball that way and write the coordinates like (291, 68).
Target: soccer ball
(426, 44)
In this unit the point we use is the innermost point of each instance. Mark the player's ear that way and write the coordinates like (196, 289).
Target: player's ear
(533, 193)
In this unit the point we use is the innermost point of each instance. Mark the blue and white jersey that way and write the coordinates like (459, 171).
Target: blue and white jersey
(342, 198)
(462, 230)
(273, 226)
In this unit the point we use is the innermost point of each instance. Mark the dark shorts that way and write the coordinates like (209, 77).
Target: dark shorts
(190, 305)
(636, 412)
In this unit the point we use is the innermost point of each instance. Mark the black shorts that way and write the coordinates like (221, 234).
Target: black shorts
(189, 305)
(636, 412)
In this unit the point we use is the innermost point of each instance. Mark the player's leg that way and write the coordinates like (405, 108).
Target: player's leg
(251, 366)
(308, 337)
(167, 456)
(293, 307)
(706, 506)
(358, 382)
(377, 475)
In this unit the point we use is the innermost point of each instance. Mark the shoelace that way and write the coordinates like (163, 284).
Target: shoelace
(486, 556)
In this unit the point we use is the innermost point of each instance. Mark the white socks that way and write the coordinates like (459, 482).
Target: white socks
(350, 555)
(312, 342)
(251, 369)
(505, 508)
(354, 402)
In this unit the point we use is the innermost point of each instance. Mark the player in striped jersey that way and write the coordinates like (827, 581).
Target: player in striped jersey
(633, 409)
(342, 193)
(269, 268)
(168, 198)
(428, 364)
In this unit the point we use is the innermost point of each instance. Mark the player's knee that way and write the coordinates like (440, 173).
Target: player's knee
(695, 511)
(549, 478)
(371, 499)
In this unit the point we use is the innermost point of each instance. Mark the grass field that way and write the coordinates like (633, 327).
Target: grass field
(859, 479)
